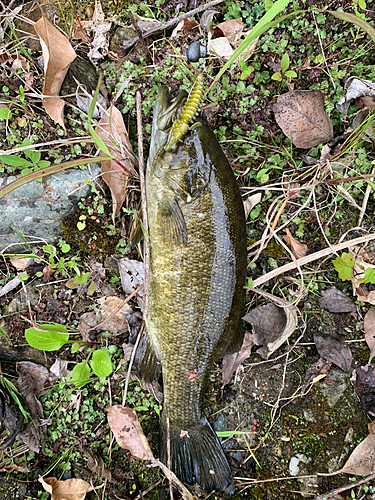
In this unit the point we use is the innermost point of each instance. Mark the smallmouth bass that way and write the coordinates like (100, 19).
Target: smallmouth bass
(196, 298)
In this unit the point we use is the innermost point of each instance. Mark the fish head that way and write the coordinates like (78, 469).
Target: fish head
(165, 113)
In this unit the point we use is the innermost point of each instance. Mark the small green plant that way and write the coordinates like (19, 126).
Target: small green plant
(247, 71)
(279, 76)
(33, 162)
(344, 265)
(53, 336)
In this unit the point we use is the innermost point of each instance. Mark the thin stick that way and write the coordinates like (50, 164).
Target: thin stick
(143, 201)
(311, 258)
(169, 457)
(365, 201)
(350, 486)
(131, 364)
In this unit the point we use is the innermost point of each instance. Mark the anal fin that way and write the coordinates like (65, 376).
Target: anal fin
(146, 361)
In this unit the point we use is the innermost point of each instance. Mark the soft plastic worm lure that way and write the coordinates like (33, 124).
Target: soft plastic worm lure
(188, 112)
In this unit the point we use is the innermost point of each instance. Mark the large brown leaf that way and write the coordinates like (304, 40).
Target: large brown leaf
(128, 433)
(301, 116)
(116, 172)
(362, 460)
(71, 489)
(58, 55)
(232, 361)
(334, 350)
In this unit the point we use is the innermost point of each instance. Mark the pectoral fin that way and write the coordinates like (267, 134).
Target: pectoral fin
(146, 362)
(173, 223)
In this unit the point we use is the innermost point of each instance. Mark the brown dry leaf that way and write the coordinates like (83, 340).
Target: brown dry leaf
(48, 272)
(362, 460)
(336, 301)
(30, 383)
(298, 249)
(71, 489)
(58, 55)
(316, 372)
(187, 24)
(272, 324)
(232, 361)
(366, 131)
(231, 30)
(21, 263)
(365, 102)
(301, 116)
(363, 261)
(334, 350)
(363, 380)
(116, 172)
(369, 327)
(251, 202)
(96, 465)
(128, 433)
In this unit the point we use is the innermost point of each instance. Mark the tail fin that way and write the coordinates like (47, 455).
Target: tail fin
(197, 456)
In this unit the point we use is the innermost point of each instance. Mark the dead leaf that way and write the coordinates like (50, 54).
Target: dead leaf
(100, 28)
(116, 172)
(132, 274)
(30, 383)
(272, 324)
(363, 260)
(48, 272)
(58, 55)
(367, 130)
(187, 24)
(365, 102)
(362, 460)
(230, 29)
(336, 301)
(298, 249)
(369, 327)
(21, 263)
(316, 372)
(219, 47)
(232, 361)
(355, 88)
(206, 19)
(301, 116)
(59, 369)
(251, 202)
(11, 285)
(108, 316)
(250, 49)
(363, 380)
(128, 433)
(334, 350)
(71, 489)
(96, 465)
(146, 24)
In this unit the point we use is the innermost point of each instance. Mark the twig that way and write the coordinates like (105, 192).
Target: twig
(130, 365)
(173, 21)
(185, 493)
(347, 487)
(311, 258)
(143, 200)
(169, 457)
(365, 201)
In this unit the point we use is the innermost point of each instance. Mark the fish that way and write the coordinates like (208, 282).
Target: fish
(197, 273)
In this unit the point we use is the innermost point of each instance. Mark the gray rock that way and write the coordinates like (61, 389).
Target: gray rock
(36, 209)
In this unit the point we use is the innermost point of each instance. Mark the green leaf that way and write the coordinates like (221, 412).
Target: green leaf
(290, 74)
(284, 63)
(344, 266)
(101, 363)
(44, 163)
(243, 64)
(91, 289)
(47, 337)
(277, 77)
(99, 142)
(82, 278)
(352, 18)
(268, 4)
(65, 248)
(370, 275)
(23, 277)
(15, 161)
(81, 225)
(5, 114)
(81, 374)
(75, 347)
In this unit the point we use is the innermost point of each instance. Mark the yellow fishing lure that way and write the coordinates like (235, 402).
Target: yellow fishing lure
(189, 111)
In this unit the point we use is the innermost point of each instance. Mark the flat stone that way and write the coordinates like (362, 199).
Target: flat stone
(36, 209)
